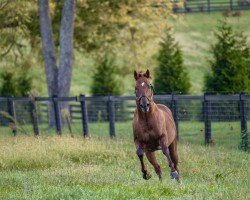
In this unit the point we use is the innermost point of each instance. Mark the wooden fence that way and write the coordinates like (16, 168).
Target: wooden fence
(41, 110)
(191, 6)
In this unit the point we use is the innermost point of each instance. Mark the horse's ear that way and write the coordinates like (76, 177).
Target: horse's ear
(147, 74)
(135, 75)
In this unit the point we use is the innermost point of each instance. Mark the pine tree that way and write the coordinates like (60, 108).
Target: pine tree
(170, 75)
(104, 79)
(231, 62)
(16, 84)
(8, 84)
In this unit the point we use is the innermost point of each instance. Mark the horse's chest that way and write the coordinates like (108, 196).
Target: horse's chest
(151, 140)
(149, 133)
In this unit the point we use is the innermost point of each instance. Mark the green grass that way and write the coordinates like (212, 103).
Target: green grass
(51, 167)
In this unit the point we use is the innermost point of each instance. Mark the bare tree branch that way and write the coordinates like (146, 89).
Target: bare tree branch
(7, 51)
(4, 4)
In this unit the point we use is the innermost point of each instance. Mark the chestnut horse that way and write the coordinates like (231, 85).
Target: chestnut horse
(154, 128)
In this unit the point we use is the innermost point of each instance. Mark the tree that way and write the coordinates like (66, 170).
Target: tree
(58, 79)
(230, 64)
(105, 82)
(121, 27)
(104, 79)
(15, 84)
(170, 75)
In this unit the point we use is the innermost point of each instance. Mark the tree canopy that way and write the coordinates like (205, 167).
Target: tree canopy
(231, 60)
(120, 27)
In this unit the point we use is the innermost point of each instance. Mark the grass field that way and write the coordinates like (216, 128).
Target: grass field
(51, 167)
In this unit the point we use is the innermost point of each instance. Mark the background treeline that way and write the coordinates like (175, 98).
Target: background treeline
(112, 38)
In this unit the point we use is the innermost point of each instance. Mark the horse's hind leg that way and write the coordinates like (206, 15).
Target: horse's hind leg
(152, 159)
(165, 150)
(140, 153)
(173, 154)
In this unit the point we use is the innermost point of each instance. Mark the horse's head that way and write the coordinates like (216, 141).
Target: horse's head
(143, 90)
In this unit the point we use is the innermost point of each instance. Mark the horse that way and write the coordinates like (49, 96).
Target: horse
(153, 129)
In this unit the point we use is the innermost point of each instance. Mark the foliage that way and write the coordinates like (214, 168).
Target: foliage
(121, 27)
(104, 79)
(14, 31)
(230, 66)
(15, 84)
(8, 85)
(170, 75)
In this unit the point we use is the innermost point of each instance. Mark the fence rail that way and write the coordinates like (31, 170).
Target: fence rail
(192, 6)
(48, 110)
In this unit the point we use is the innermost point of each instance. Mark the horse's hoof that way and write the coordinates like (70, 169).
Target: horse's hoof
(174, 175)
(146, 176)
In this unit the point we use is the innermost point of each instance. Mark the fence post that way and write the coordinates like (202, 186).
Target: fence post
(243, 113)
(84, 116)
(12, 113)
(231, 4)
(244, 133)
(207, 119)
(57, 115)
(34, 116)
(111, 113)
(208, 6)
(175, 113)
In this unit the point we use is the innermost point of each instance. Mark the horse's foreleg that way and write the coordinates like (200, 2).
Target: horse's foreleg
(145, 174)
(165, 150)
(152, 159)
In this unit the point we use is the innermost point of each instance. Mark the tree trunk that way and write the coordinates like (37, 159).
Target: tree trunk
(66, 46)
(48, 49)
(58, 81)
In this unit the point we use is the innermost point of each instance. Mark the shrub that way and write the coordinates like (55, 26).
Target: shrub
(104, 79)
(15, 84)
(170, 75)
(230, 65)
(104, 83)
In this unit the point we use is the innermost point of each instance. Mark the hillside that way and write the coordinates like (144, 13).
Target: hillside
(195, 34)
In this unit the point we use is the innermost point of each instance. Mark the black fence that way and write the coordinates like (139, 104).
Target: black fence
(191, 6)
(42, 112)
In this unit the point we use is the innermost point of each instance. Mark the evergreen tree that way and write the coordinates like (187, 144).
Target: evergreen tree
(8, 85)
(13, 84)
(104, 79)
(231, 62)
(170, 75)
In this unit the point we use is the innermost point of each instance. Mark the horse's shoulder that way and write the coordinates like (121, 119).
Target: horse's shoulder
(163, 108)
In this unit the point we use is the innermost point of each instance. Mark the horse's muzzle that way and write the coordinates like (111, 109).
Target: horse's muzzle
(144, 107)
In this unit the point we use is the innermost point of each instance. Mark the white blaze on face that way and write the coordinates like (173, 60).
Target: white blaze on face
(142, 84)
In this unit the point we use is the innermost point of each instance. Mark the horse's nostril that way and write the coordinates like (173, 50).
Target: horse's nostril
(147, 104)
